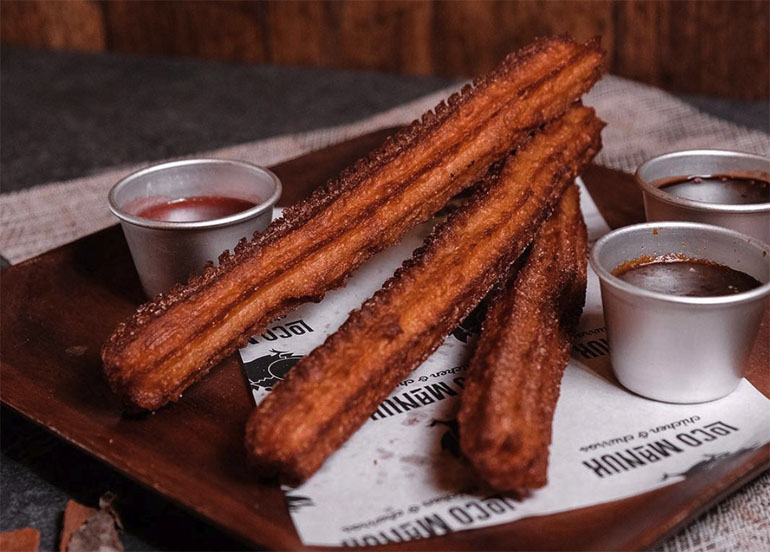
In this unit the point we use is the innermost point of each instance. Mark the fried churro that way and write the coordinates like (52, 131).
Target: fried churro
(333, 390)
(513, 382)
(174, 340)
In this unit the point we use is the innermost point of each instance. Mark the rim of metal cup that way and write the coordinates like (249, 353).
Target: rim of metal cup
(262, 207)
(607, 277)
(671, 199)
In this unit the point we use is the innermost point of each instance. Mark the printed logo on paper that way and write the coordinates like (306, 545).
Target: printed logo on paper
(264, 372)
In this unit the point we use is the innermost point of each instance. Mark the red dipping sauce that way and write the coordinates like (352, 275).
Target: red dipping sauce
(194, 209)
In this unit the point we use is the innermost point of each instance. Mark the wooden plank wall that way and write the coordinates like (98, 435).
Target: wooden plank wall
(710, 47)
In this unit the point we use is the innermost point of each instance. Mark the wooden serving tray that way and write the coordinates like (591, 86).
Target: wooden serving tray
(58, 308)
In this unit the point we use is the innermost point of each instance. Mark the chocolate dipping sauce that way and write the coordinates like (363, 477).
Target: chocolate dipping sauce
(193, 209)
(685, 277)
(722, 188)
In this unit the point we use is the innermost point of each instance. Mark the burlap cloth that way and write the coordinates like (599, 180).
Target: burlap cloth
(641, 122)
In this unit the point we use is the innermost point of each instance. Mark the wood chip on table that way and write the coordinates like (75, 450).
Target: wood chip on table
(21, 540)
(86, 529)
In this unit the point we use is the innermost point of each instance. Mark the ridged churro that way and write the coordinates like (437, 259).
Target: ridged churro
(174, 340)
(513, 382)
(332, 391)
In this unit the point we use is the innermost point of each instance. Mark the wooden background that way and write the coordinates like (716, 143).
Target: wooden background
(698, 46)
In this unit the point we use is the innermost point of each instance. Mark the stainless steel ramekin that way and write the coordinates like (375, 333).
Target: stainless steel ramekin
(165, 253)
(672, 348)
(659, 205)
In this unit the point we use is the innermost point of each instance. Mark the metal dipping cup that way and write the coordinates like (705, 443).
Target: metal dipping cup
(166, 253)
(659, 205)
(673, 348)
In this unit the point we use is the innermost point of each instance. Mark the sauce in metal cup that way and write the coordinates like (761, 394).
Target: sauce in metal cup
(166, 252)
(675, 348)
(752, 219)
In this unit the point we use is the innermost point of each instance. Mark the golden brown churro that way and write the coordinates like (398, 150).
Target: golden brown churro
(174, 340)
(513, 383)
(333, 390)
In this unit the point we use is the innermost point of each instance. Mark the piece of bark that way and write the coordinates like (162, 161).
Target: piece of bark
(21, 540)
(75, 515)
(97, 533)
(86, 529)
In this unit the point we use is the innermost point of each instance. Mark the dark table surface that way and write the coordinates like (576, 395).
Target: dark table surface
(65, 115)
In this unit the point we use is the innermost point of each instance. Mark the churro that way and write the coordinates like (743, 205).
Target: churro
(513, 382)
(174, 340)
(333, 390)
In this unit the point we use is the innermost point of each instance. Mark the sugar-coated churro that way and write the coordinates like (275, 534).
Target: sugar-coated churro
(333, 390)
(513, 382)
(174, 340)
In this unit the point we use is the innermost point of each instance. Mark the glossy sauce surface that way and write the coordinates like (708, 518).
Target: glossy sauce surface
(685, 277)
(723, 189)
(193, 209)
